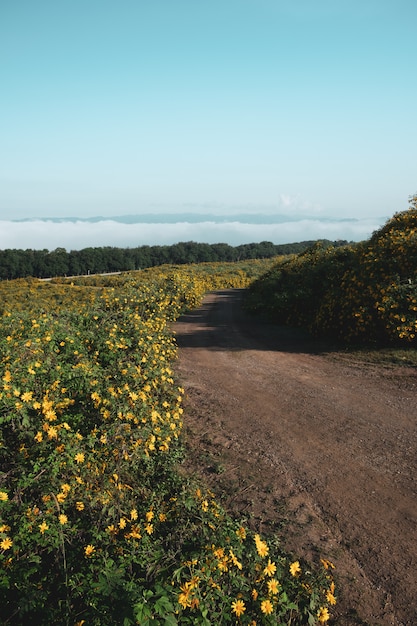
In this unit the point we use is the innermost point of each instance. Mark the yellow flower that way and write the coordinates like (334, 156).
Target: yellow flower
(261, 546)
(330, 598)
(235, 560)
(204, 505)
(133, 514)
(38, 437)
(63, 519)
(65, 488)
(266, 607)
(254, 594)
(270, 569)
(273, 586)
(3, 496)
(223, 564)
(42, 527)
(46, 404)
(241, 533)
(112, 529)
(27, 396)
(96, 397)
(218, 552)
(149, 529)
(79, 457)
(295, 568)
(149, 516)
(184, 600)
(135, 532)
(6, 543)
(52, 432)
(88, 550)
(79, 506)
(122, 522)
(323, 615)
(50, 415)
(238, 607)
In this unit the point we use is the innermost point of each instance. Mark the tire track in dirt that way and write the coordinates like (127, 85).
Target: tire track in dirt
(302, 440)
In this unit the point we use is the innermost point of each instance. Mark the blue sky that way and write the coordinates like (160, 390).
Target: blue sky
(289, 106)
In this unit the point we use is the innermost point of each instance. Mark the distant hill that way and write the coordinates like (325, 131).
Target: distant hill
(191, 218)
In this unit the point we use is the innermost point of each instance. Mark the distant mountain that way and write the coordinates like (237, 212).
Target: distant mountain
(191, 218)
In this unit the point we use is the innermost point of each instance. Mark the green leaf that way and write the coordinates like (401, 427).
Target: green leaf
(142, 613)
(163, 606)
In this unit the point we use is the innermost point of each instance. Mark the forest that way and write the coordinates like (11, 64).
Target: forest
(15, 263)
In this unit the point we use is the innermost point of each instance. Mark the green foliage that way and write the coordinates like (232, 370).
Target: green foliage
(358, 293)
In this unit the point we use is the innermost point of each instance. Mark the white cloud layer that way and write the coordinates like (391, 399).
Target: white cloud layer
(42, 234)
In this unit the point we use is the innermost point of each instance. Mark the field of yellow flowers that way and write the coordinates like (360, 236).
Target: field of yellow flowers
(97, 524)
(361, 293)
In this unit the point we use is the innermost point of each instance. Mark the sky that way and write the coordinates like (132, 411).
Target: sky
(305, 108)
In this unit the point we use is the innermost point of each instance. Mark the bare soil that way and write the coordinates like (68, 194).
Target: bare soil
(309, 443)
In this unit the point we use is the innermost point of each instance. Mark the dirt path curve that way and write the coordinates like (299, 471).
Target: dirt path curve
(311, 444)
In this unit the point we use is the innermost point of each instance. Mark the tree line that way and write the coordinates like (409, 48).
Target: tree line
(15, 263)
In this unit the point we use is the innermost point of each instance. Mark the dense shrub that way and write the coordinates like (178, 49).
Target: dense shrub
(361, 292)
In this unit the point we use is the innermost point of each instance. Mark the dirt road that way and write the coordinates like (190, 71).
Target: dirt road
(310, 444)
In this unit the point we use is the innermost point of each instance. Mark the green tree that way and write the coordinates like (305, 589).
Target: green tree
(58, 262)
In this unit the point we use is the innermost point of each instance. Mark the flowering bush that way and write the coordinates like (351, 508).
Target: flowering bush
(97, 525)
(362, 292)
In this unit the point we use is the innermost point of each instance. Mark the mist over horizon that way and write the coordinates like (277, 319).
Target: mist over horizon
(129, 231)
